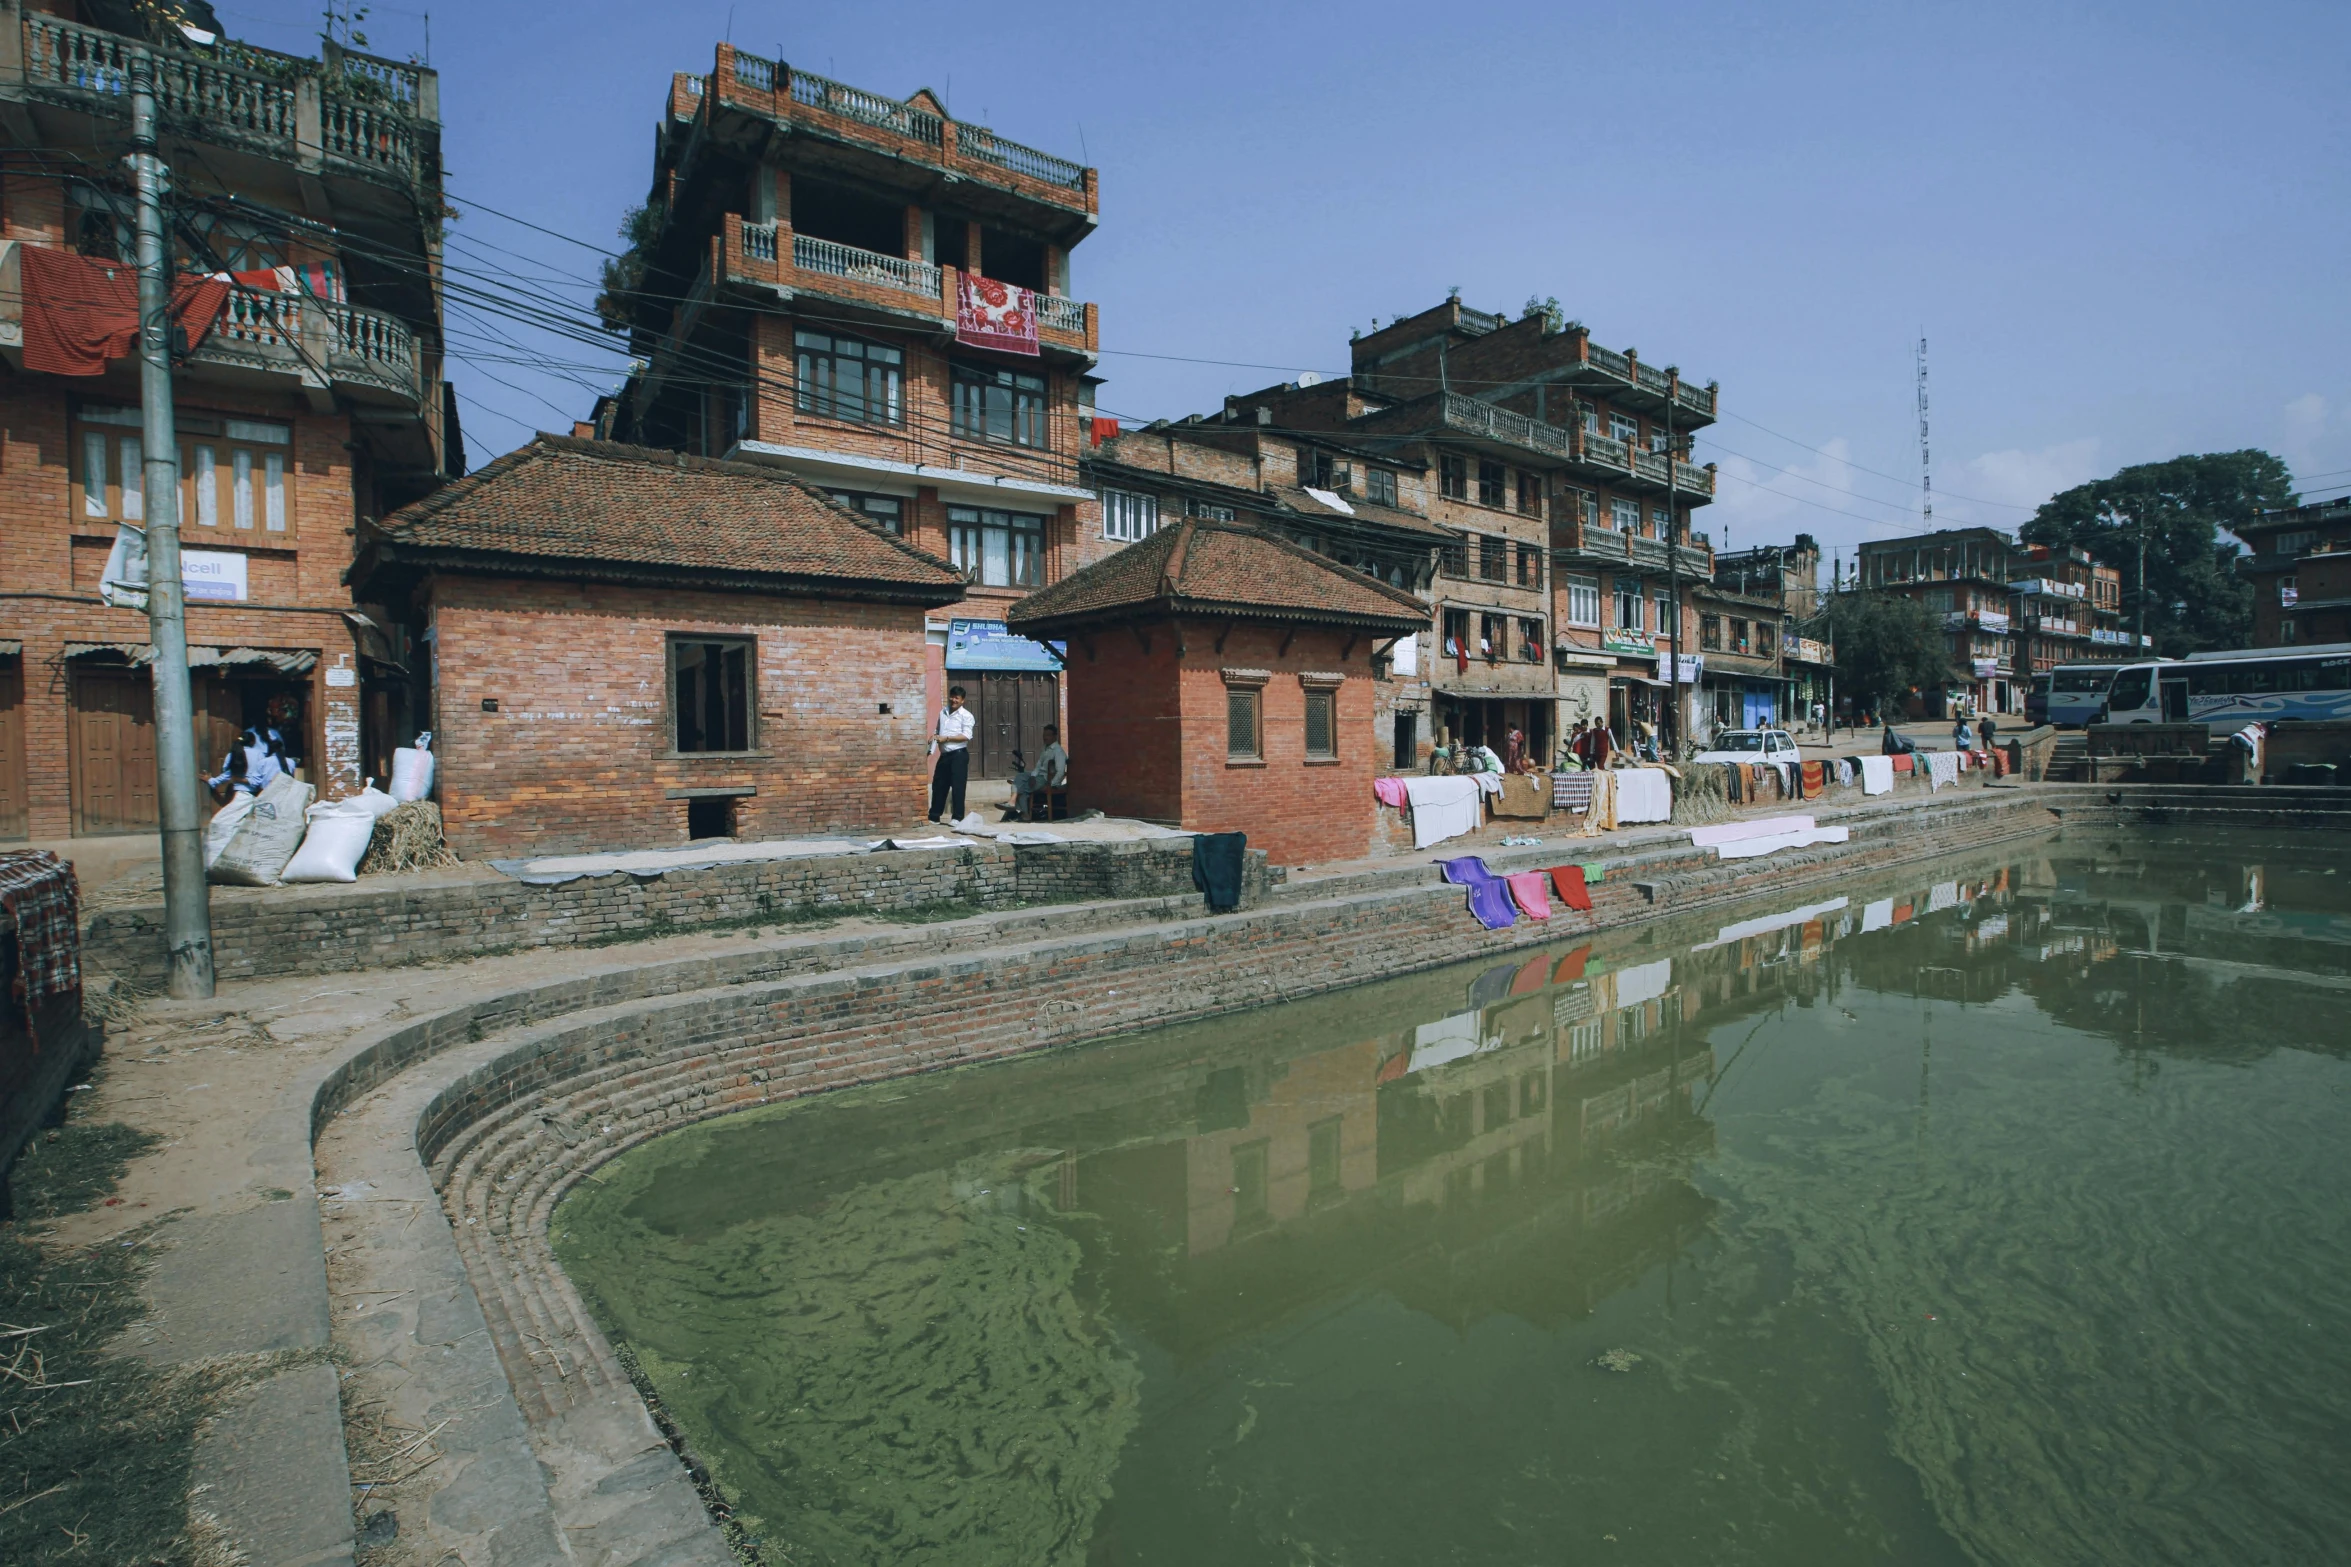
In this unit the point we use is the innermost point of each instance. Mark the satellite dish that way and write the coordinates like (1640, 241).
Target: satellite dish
(1309, 378)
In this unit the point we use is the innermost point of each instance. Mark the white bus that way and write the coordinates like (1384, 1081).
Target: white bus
(2070, 695)
(2228, 690)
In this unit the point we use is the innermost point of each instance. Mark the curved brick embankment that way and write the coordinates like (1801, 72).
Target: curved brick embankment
(510, 1104)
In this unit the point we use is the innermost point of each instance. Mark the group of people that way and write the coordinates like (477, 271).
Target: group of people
(259, 756)
(1043, 785)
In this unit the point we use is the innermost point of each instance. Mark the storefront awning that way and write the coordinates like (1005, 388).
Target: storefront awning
(138, 655)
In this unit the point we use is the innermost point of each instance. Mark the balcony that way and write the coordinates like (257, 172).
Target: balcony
(1648, 473)
(2046, 588)
(363, 354)
(1623, 378)
(1575, 544)
(349, 113)
(808, 102)
(1991, 620)
(771, 254)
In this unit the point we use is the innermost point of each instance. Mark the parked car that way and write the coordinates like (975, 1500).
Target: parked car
(1751, 745)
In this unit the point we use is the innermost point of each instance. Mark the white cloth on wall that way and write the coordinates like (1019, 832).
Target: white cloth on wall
(1877, 775)
(1441, 808)
(1795, 838)
(1488, 783)
(1942, 768)
(1643, 794)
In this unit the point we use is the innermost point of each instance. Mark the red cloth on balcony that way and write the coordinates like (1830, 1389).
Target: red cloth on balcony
(990, 313)
(80, 312)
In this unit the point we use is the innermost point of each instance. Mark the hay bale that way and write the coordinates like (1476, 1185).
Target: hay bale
(407, 838)
(1702, 796)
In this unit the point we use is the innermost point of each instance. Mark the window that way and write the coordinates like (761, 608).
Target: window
(1767, 639)
(1740, 642)
(1530, 566)
(2294, 543)
(1453, 477)
(1710, 633)
(1660, 523)
(1494, 558)
(1493, 632)
(997, 549)
(1628, 604)
(1322, 724)
(1209, 512)
(885, 511)
(1624, 515)
(1129, 517)
(2289, 590)
(1530, 640)
(710, 688)
(1453, 558)
(1456, 631)
(1316, 469)
(1583, 601)
(1322, 1158)
(113, 483)
(1003, 406)
(1939, 600)
(1493, 482)
(1240, 723)
(1379, 486)
(1624, 427)
(1530, 494)
(1664, 621)
(849, 378)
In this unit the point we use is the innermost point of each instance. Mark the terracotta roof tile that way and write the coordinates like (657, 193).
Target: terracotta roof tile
(569, 502)
(1218, 568)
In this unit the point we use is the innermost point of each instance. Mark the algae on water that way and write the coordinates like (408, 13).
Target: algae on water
(903, 1375)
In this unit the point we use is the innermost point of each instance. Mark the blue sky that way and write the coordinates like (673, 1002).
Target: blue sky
(2122, 228)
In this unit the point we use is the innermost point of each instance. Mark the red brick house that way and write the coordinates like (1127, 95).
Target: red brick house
(635, 648)
(1221, 678)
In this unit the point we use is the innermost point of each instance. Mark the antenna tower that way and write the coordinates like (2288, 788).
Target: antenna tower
(1926, 463)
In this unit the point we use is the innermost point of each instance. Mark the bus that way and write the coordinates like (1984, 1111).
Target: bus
(2070, 695)
(2228, 690)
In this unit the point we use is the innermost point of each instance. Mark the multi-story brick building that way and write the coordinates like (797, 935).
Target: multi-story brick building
(2068, 608)
(875, 296)
(1788, 577)
(1961, 575)
(2301, 589)
(1315, 490)
(309, 400)
(1549, 461)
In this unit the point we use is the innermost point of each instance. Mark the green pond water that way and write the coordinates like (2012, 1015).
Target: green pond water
(1995, 1211)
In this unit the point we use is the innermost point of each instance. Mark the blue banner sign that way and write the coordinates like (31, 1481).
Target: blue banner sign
(985, 644)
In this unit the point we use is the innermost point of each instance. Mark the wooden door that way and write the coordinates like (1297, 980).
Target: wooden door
(1039, 706)
(14, 818)
(112, 740)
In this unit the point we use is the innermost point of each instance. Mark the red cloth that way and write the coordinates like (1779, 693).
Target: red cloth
(79, 312)
(1103, 429)
(1999, 764)
(1531, 978)
(1571, 967)
(1526, 890)
(1569, 879)
(990, 313)
(1902, 763)
(1816, 777)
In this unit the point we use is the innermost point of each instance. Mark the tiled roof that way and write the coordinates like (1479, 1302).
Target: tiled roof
(1219, 568)
(563, 504)
(1300, 500)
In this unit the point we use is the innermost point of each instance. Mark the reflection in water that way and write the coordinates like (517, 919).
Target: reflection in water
(1838, 1231)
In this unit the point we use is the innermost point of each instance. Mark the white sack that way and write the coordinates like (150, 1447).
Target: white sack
(223, 825)
(412, 771)
(267, 838)
(336, 842)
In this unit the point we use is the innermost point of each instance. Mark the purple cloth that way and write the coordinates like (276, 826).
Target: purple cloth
(1489, 895)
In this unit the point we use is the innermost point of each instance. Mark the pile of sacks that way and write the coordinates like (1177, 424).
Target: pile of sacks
(279, 835)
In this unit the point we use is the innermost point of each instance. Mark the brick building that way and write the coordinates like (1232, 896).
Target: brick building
(310, 400)
(1742, 642)
(1317, 492)
(1222, 678)
(635, 647)
(1961, 575)
(1787, 578)
(875, 296)
(2296, 568)
(2068, 608)
(1549, 464)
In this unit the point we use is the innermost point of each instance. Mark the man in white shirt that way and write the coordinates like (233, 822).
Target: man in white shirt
(951, 739)
(1038, 787)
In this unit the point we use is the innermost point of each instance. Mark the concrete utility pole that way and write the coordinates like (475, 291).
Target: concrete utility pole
(1673, 576)
(2141, 606)
(187, 918)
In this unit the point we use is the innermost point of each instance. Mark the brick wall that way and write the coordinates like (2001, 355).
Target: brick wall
(260, 933)
(578, 754)
(50, 554)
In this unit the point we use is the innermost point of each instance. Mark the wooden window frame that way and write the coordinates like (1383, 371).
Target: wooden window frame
(669, 657)
(1248, 684)
(1320, 689)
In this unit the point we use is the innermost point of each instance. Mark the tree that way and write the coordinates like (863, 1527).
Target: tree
(2182, 509)
(1885, 645)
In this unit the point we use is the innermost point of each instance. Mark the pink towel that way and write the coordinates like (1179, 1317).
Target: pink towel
(1526, 890)
(1390, 791)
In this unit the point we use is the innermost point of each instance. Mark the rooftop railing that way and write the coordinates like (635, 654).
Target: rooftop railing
(1059, 314)
(369, 109)
(975, 142)
(824, 257)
